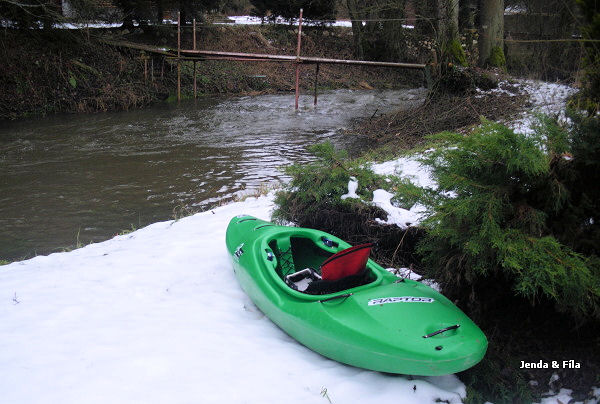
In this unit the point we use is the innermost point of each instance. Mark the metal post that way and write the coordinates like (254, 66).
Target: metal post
(178, 56)
(194, 41)
(298, 58)
(316, 82)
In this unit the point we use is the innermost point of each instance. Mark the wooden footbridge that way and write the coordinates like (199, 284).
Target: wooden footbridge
(194, 55)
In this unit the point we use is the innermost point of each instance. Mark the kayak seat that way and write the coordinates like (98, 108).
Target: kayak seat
(323, 287)
(301, 280)
(344, 270)
(347, 262)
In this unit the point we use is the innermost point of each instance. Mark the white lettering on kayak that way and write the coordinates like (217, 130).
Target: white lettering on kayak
(238, 252)
(403, 299)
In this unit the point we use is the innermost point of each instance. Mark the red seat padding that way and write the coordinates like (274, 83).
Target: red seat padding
(346, 262)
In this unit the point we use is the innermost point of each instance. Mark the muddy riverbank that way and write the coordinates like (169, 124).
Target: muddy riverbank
(73, 71)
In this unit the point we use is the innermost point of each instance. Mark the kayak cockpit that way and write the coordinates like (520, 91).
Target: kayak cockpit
(304, 265)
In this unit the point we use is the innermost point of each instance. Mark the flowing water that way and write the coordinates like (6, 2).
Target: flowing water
(79, 178)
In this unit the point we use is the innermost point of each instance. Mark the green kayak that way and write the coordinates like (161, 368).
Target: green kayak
(369, 319)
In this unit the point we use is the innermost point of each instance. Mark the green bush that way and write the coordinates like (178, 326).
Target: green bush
(312, 199)
(323, 181)
(493, 219)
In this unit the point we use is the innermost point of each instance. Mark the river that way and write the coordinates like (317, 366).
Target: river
(75, 179)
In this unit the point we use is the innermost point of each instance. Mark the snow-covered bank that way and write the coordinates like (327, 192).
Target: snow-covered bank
(157, 316)
(252, 20)
(544, 98)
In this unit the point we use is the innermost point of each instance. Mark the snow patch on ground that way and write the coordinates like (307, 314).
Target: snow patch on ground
(546, 98)
(250, 20)
(564, 396)
(157, 316)
(407, 273)
(352, 187)
(408, 168)
(395, 215)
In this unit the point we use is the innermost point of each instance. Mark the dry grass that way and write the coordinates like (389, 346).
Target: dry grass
(407, 128)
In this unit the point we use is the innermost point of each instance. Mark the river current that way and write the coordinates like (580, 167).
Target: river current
(73, 179)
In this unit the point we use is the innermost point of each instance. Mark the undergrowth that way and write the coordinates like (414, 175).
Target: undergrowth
(313, 199)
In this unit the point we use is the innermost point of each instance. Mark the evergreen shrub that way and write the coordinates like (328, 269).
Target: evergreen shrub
(494, 219)
(312, 199)
(323, 181)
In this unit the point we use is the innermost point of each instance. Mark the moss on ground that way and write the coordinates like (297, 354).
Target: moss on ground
(497, 58)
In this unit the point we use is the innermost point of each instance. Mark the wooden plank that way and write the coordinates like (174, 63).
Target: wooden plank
(147, 48)
(191, 54)
(302, 59)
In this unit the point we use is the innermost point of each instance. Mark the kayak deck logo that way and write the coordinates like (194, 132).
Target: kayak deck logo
(238, 252)
(403, 299)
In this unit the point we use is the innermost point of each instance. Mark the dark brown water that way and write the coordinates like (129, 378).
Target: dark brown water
(88, 177)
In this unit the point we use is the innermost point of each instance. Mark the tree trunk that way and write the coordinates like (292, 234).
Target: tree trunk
(425, 13)
(357, 28)
(183, 11)
(491, 32)
(160, 10)
(467, 13)
(448, 20)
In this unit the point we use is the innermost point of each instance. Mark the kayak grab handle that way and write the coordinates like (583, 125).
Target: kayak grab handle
(452, 327)
(263, 225)
(345, 295)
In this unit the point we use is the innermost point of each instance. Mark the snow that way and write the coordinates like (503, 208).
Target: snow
(407, 273)
(395, 215)
(70, 25)
(352, 187)
(564, 396)
(408, 167)
(555, 377)
(250, 20)
(544, 97)
(157, 316)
